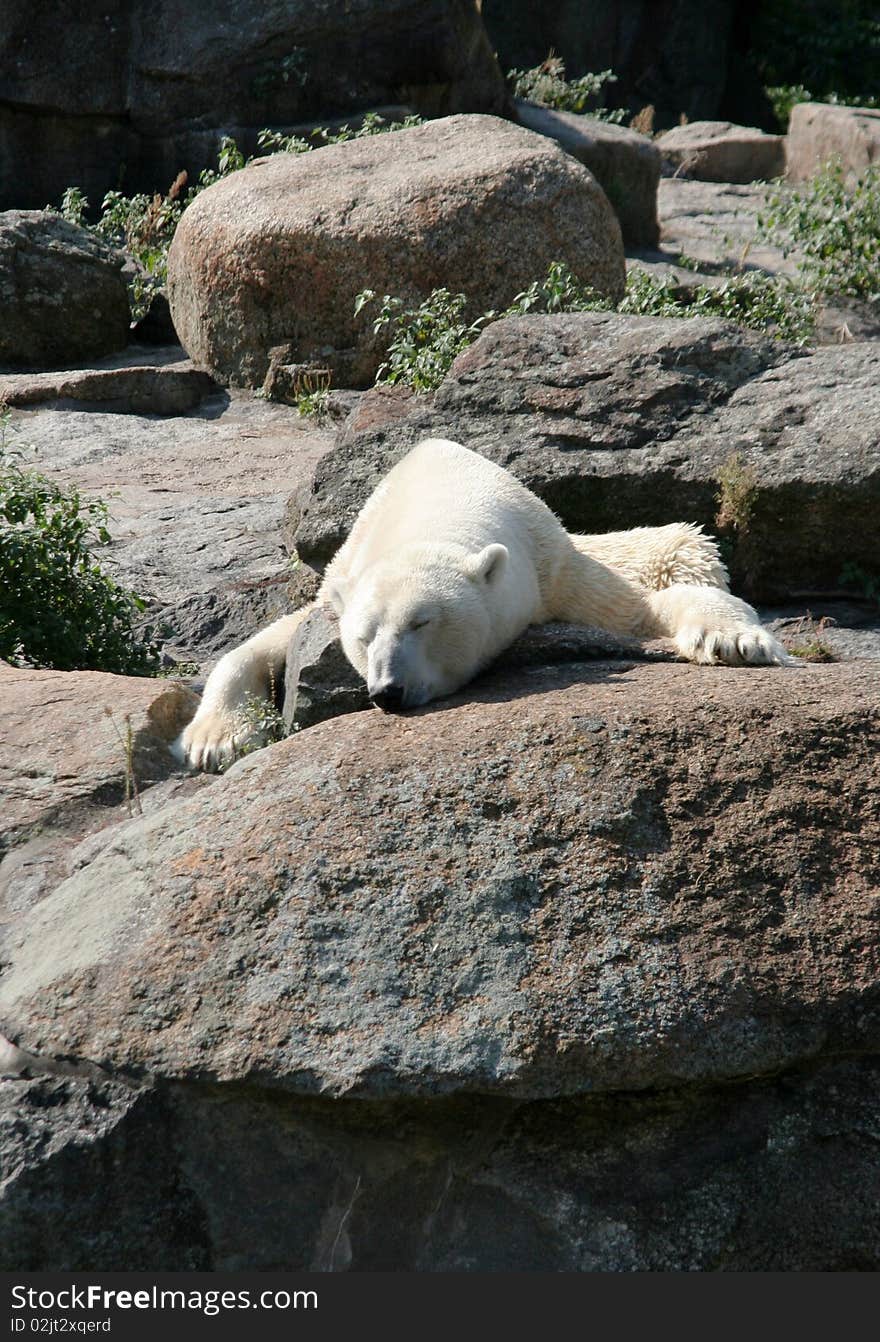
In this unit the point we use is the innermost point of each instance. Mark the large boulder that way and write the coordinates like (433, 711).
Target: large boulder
(625, 163)
(717, 151)
(619, 421)
(277, 253)
(62, 292)
(148, 89)
(581, 879)
(311, 999)
(818, 132)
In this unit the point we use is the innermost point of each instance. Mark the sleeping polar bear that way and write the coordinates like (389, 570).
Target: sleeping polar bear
(448, 561)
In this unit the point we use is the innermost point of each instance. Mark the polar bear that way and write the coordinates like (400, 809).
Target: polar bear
(448, 561)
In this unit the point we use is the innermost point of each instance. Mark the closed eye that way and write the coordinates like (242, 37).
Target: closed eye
(420, 624)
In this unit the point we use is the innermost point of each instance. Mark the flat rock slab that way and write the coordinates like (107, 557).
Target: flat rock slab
(165, 387)
(586, 879)
(197, 499)
(64, 762)
(714, 223)
(627, 421)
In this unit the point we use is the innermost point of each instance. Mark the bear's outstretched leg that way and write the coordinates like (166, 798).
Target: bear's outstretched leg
(220, 729)
(707, 624)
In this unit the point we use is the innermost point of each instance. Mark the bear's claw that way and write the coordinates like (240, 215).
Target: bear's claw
(750, 645)
(210, 742)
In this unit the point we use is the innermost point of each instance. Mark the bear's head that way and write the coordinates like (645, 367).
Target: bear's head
(417, 626)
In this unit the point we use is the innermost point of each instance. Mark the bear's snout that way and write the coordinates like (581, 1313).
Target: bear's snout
(389, 698)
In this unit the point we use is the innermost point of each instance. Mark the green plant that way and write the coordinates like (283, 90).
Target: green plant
(558, 291)
(427, 338)
(783, 97)
(311, 392)
(807, 640)
(546, 85)
(177, 670)
(372, 124)
(424, 340)
(835, 228)
(261, 722)
(74, 205)
(737, 493)
(58, 608)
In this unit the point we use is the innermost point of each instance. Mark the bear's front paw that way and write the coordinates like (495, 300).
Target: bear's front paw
(211, 741)
(748, 645)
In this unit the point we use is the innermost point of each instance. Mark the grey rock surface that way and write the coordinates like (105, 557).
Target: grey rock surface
(151, 87)
(626, 421)
(319, 681)
(772, 1174)
(62, 292)
(277, 253)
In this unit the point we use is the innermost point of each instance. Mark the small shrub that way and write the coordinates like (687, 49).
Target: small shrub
(558, 291)
(835, 228)
(807, 640)
(424, 340)
(427, 338)
(546, 85)
(263, 723)
(737, 492)
(58, 608)
(312, 393)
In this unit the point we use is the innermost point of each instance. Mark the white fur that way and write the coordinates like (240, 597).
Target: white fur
(449, 560)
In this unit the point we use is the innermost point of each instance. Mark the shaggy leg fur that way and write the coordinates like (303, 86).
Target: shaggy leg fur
(656, 557)
(669, 582)
(218, 730)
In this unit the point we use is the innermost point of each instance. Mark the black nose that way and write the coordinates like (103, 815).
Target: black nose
(388, 699)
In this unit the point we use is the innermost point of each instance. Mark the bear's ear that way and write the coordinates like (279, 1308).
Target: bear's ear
(488, 564)
(334, 594)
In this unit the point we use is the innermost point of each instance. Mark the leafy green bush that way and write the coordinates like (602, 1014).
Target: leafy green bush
(546, 85)
(427, 338)
(424, 340)
(834, 227)
(57, 606)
